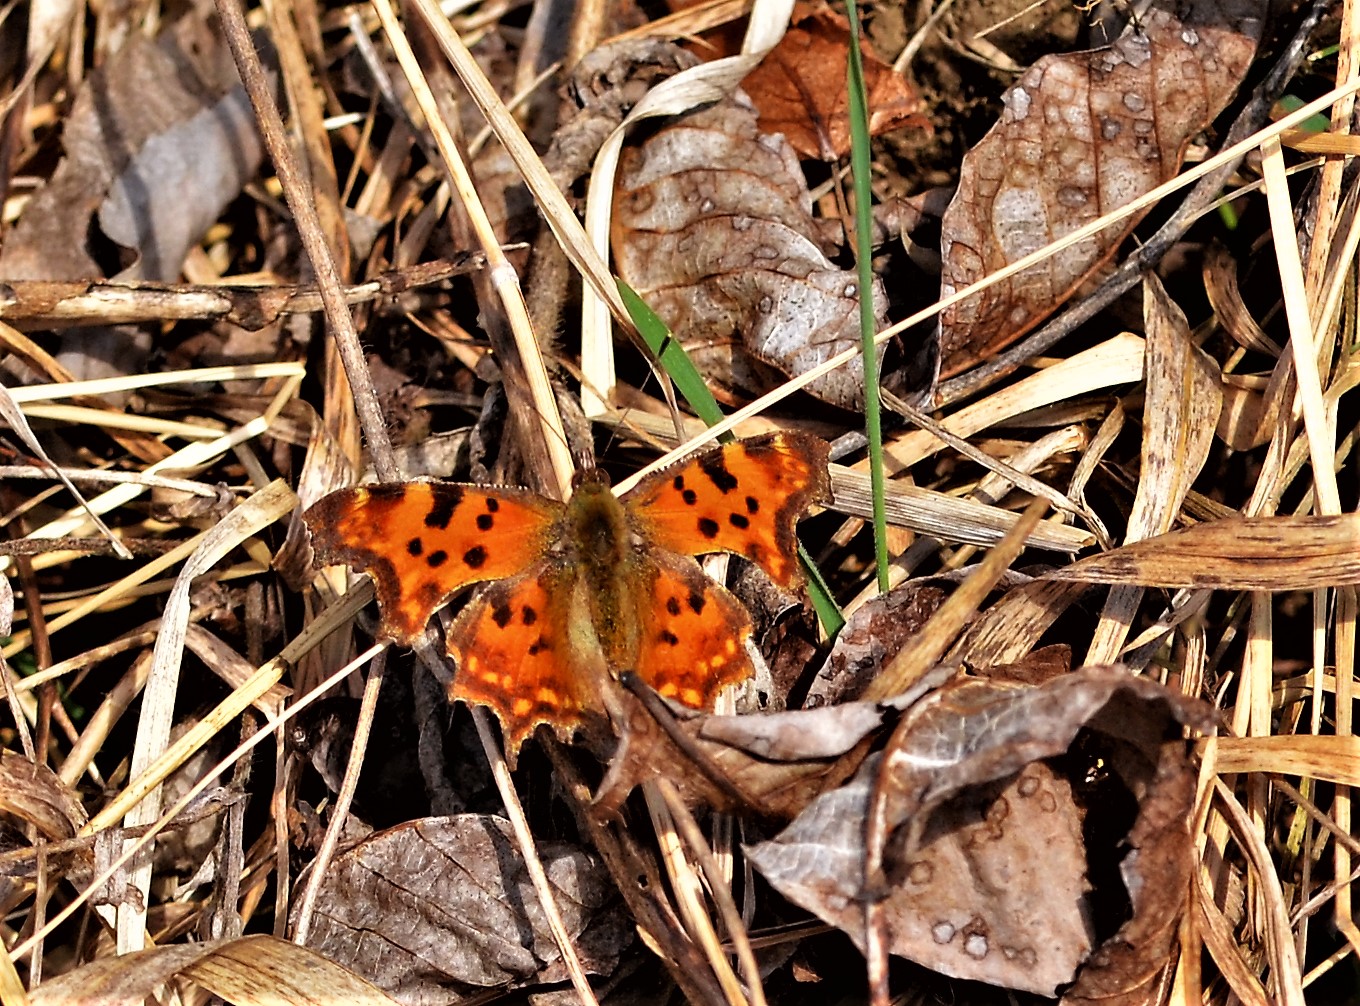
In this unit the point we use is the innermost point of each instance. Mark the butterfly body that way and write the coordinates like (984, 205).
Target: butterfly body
(583, 590)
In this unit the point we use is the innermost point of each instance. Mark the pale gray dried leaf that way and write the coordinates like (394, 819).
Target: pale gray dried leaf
(179, 183)
(984, 865)
(797, 734)
(713, 227)
(433, 905)
(148, 140)
(147, 87)
(1081, 134)
(996, 894)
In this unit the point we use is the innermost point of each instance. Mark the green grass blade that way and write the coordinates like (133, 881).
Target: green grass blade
(859, 166)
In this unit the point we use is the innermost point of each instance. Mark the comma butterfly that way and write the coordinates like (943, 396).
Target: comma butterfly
(591, 587)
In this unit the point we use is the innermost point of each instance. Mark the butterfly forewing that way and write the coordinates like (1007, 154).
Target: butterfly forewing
(744, 497)
(423, 541)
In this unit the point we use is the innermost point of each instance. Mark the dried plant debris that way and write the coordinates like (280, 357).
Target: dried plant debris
(158, 141)
(1235, 553)
(713, 227)
(983, 869)
(1081, 134)
(33, 802)
(444, 905)
(1002, 819)
(255, 968)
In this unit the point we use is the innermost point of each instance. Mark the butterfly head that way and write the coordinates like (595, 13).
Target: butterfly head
(590, 479)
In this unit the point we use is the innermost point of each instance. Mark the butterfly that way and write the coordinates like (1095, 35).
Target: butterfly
(586, 589)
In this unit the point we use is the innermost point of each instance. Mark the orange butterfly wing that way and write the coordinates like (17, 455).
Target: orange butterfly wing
(744, 497)
(693, 634)
(512, 646)
(422, 542)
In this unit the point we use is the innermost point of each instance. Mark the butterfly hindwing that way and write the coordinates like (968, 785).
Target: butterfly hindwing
(512, 650)
(424, 541)
(744, 497)
(693, 639)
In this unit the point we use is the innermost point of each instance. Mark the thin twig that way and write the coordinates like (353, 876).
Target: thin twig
(297, 192)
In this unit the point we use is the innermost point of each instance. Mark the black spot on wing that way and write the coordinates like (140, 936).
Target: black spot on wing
(690, 497)
(415, 546)
(673, 605)
(501, 615)
(485, 522)
(696, 602)
(437, 558)
(492, 504)
(668, 637)
(529, 615)
(708, 527)
(475, 558)
(739, 520)
(715, 467)
(538, 646)
(446, 500)
(752, 504)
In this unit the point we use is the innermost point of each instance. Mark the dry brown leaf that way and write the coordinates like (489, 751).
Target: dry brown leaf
(984, 867)
(441, 903)
(871, 636)
(713, 227)
(800, 87)
(158, 141)
(1131, 967)
(1225, 297)
(1236, 553)
(1081, 134)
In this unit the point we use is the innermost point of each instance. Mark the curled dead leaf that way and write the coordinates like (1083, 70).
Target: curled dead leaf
(984, 864)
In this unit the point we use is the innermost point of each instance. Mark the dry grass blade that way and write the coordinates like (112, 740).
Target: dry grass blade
(1236, 553)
